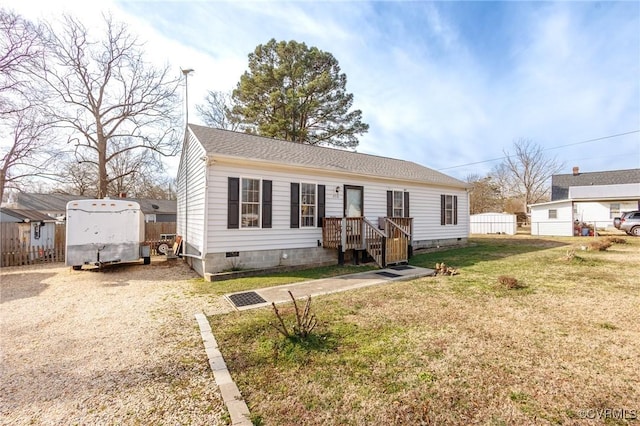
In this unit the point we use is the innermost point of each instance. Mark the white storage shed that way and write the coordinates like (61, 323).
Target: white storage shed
(493, 223)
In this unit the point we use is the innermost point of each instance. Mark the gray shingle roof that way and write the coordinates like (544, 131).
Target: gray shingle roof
(560, 183)
(251, 147)
(29, 215)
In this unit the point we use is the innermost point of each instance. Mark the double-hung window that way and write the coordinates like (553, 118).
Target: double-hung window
(398, 204)
(614, 210)
(448, 209)
(250, 216)
(307, 204)
(249, 203)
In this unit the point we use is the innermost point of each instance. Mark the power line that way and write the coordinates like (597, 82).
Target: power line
(546, 149)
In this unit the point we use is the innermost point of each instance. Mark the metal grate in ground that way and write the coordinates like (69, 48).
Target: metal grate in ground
(246, 299)
(401, 267)
(388, 274)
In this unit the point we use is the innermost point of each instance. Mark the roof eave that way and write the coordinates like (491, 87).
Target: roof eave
(212, 158)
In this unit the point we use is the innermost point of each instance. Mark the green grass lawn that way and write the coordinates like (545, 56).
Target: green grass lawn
(460, 349)
(219, 288)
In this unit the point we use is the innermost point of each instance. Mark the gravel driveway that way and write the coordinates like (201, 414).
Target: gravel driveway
(114, 347)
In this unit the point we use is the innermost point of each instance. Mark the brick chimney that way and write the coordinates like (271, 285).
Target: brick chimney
(576, 171)
(124, 194)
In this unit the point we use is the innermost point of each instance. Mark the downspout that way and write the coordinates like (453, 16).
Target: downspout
(186, 184)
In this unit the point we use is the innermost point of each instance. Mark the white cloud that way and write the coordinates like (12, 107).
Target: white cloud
(436, 88)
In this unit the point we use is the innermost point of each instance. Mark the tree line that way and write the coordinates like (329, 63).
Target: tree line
(520, 179)
(86, 112)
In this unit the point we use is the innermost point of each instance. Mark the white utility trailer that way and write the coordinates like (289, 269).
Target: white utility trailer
(105, 231)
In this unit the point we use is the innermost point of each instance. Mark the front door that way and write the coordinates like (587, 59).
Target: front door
(353, 201)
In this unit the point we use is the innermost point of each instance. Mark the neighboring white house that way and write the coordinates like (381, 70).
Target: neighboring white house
(246, 201)
(592, 199)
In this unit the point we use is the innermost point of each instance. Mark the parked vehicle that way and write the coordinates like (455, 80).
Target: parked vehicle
(105, 231)
(629, 222)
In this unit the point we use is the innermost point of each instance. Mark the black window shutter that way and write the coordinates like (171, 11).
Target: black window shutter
(233, 204)
(389, 203)
(443, 217)
(455, 209)
(321, 204)
(266, 203)
(406, 204)
(295, 205)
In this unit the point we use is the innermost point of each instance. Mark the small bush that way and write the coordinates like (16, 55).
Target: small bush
(599, 245)
(510, 282)
(305, 320)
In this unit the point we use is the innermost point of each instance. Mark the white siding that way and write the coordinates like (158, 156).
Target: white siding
(424, 208)
(599, 212)
(191, 184)
(562, 225)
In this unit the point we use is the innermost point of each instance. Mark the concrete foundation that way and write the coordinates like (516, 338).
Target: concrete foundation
(444, 242)
(263, 259)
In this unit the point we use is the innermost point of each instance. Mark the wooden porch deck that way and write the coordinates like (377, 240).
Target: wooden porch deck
(388, 245)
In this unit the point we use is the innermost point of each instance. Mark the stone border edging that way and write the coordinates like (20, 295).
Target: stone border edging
(236, 406)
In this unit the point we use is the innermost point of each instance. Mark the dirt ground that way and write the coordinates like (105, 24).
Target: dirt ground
(119, 346)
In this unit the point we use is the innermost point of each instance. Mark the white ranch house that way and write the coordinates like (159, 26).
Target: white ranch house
(593, 199)
(246, 201)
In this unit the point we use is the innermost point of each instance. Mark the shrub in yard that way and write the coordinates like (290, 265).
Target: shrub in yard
(616, 240)
(510, 282)
(599, 245)
(305, 320)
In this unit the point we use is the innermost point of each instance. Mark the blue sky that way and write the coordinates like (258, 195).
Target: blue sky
(440, 83)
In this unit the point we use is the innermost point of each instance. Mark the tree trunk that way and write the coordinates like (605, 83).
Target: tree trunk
(103, 178)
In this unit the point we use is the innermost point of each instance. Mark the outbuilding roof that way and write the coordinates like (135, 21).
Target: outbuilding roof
(259, 148)
(57, 203)
(27, 215)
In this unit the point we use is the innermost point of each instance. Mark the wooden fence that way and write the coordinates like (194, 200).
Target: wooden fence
(16, 250)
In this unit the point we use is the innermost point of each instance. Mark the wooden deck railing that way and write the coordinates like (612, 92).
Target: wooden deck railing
(405, 223)
(332, 232)
(353, 233)
(397, 243)
(386, 247)
(375, 242)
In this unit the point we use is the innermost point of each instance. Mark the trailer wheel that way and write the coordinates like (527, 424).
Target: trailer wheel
(76, 267)
(147, 260)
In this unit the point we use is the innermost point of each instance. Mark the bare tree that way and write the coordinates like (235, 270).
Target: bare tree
(129, 170)
(217, 111)
(528, 171)
(25, 154)
(18, 49)
(102, 92)
(23, 132)
(79, 178)
(484, 195)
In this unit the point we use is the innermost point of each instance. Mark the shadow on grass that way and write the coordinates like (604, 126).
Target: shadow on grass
(484, 249)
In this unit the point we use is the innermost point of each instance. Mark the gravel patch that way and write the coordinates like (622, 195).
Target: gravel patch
(119, 346)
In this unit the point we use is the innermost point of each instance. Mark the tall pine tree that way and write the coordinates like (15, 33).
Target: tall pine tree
(297, 93)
